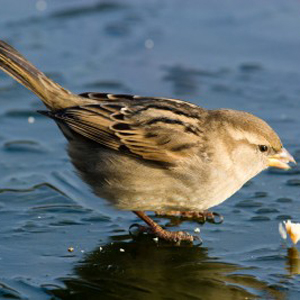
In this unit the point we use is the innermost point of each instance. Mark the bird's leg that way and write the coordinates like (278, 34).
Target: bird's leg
(201, 217)
(158, 231)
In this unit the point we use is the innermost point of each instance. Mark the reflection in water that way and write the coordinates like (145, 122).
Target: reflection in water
(293, 261)
(142, 270)
(185, 81)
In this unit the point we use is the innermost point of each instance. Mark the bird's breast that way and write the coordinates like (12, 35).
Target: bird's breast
(133, 184)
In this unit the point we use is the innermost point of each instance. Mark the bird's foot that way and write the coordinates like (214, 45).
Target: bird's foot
(156, 230)
(170, 236)
(201, 217)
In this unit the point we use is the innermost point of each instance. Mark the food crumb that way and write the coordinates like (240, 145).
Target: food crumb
(122, 250)
(70, 249)
(197, 230)
(290, 228)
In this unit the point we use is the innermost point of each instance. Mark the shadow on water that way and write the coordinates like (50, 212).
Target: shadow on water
(143, 270)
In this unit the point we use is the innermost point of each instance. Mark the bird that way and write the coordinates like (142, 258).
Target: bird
(152, 153)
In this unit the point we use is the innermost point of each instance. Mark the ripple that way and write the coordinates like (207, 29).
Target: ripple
(249, 204)
(274, 257)
(33, 188)
(9, 293)
(295, 170)
(266, 210)
(250, 67)
(69, 13)
(260, 218)
(63, 208)
(97, 218)
(284, 200)
(120, 29)
(108, 86)
(83, 10)
(66, 222)
(284, 217)
(260, 194)
(24, 146)
(293, 182)
(41, 197)
(273, 291)
(185, 80)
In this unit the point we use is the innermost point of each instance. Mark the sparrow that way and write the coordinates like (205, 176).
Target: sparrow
(154, 154)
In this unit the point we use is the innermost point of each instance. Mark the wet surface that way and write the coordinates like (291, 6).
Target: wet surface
(242, 55)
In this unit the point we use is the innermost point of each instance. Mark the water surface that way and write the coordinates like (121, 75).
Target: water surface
(235, 54)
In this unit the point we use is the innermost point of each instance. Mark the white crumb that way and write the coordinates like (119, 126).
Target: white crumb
(291, 229)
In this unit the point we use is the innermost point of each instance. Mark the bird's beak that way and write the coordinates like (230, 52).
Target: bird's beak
(281, 160)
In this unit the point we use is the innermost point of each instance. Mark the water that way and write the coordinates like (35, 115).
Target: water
(236, 54)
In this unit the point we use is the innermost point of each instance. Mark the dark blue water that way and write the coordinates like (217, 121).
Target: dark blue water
(236, 54)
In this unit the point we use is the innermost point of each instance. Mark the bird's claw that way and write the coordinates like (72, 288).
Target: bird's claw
(214, 218)
(200, 217)
(170, 236)
(140, 229)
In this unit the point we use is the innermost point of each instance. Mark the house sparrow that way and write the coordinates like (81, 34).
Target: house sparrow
(145, 153)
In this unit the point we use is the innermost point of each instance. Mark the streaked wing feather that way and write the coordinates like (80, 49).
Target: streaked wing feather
(157, 129)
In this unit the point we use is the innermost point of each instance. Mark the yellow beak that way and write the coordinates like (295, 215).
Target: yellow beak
(281, 160)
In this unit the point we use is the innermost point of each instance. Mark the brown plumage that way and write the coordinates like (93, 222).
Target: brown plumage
(51, 93)
(144, 153)
(156, 129)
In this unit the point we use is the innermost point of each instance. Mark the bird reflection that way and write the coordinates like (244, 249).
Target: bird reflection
(293, 261)
(143, 269)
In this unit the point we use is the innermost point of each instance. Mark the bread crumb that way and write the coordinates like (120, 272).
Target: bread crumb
(291, 229)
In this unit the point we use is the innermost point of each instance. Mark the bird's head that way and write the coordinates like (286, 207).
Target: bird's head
(250, 143)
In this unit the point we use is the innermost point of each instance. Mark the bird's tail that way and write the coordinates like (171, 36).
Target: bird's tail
(52, 94)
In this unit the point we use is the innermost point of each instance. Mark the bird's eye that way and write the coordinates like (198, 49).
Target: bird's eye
(263, 148)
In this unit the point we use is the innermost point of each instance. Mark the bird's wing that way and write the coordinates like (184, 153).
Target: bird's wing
(156, 129)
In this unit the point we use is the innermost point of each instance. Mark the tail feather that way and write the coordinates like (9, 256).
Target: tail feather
(52, 94)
